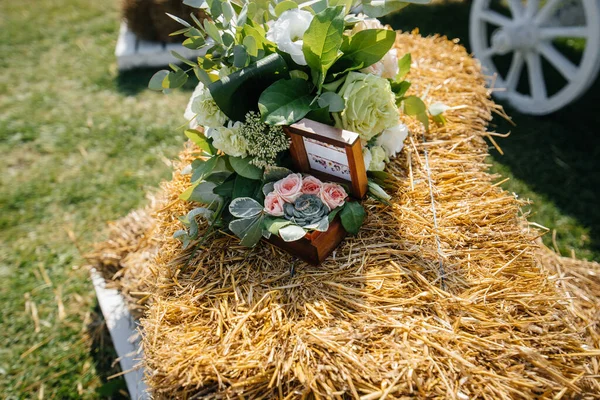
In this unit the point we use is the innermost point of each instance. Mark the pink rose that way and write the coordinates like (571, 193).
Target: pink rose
(289, 188)
(333, 195)
(274, 204)
(311, 185)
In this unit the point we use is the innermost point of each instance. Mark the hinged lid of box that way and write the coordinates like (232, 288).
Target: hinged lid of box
(329, 153)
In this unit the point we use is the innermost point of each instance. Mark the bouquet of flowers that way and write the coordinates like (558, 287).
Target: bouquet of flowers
(268, 64)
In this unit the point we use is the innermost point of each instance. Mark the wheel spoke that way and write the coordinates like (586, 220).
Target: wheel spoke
(516, 8)
(547, 11)
(559, 61)
(531, 8)
(495, 18)
(514, 72)
(536, 77)
(488, 52)
(564, 32)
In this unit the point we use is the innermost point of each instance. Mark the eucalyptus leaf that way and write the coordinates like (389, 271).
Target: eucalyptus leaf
(194, 43)
(212, 31)
(245, 207)
(240, 56)
(228, 12)
(175, 79)
(321, 115)
(285, 5)
(249, 43)
(203, 212)
(194, 3)
(156, 82)
(182, 59)
(379, 8)
(331, 100)
(181, 21)
(203, 193)
(292, 233)
(352, 216)
(268, 188)
(203, 169)
(185, 195)
(244, 187)
(183, 236)
(285, 101)
(243, 167)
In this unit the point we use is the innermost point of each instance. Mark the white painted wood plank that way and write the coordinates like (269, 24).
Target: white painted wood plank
(122, 328)
(134, 53)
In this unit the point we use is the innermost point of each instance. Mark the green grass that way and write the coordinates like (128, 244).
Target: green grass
(81, 144)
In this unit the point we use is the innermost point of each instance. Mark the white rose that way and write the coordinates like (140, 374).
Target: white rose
(377, 159)
(392, 139)
(189, 114)
(367, 156)
(387, 67)
(287, 33)
(229, 140)
(206, 110)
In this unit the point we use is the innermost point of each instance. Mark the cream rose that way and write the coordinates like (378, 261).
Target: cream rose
(370, 105)
(333, 195)
(377, 159)
(287, 33)
(274, 204)
(229, 140)
(368, 23)
(311, 185)
(392, 139)
(205, 109)
(387, 67)
(289, 188)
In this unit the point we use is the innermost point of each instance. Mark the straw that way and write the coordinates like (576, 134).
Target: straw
(373, 321)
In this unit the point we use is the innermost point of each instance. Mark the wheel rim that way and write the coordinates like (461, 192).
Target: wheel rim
(527, 34)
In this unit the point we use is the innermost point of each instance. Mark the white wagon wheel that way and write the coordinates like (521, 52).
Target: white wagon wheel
(527, 33)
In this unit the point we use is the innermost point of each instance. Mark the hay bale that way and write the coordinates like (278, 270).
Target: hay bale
(375, 320)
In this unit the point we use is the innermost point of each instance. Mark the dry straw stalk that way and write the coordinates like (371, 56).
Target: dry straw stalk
(375, 321)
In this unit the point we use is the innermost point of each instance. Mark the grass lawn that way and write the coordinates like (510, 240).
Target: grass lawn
(81, 144)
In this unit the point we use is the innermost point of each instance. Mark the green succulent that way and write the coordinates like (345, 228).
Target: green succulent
(306, 210)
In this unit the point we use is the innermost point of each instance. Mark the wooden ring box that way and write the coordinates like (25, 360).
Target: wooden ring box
(332, 155)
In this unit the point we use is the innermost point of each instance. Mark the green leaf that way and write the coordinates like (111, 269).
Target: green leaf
(323, 39)
(273, 225)
(225, 189)
(400, 88)
(239, 56)
(157, 80)
(228, 12)
(244, 187)
(321, 115)
(333, 213)
(201, 169)
(331, 100)
(413, 105)
(403, 67)
(203, 193)
(183, 236)
(365, 48)
(212, 31)
(244, 207)
(377, 191)
(249, 43)
(284, 6)
(268, 188)
(378, 8)
(238, 93)
(273, 173)
(182, 59)
(243, 167)
(346, 3)
(353, 216)
(185, 195)
(285, 101)
(248, 229)
(194, 43)
(199, 139)
(290, 233)
(181, 21)
(194, 3)
(175, 79)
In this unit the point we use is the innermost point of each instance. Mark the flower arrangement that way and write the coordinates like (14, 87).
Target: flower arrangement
(268, 64)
